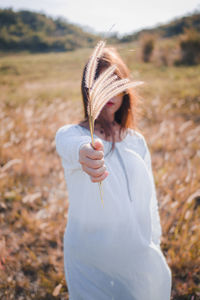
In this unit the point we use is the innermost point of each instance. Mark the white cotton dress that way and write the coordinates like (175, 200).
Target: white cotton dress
(112, 251)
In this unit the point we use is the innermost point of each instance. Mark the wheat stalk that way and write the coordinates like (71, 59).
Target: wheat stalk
(100, 87)
(102, 79)
(92, 64)
(102, 101)
(101, 90)
(89, 81)
(107, 89)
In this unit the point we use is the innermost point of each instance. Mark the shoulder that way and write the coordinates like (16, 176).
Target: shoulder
(65, 130)
(137, 136)
(139, 141)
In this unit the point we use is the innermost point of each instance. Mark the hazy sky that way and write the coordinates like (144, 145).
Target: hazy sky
(127, 15)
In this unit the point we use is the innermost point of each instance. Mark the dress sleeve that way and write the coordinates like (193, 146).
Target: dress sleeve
(156, 226)
(68, 141)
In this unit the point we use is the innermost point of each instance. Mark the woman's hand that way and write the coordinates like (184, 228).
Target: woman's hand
(92, 160)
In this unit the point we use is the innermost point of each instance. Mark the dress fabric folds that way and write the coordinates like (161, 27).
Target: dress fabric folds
(112, 251)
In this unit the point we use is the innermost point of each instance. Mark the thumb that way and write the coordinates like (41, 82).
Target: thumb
(98, 145)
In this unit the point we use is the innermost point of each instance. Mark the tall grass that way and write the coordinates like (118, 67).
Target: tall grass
(40, 93)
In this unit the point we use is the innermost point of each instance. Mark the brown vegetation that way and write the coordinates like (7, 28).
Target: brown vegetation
(33, 207)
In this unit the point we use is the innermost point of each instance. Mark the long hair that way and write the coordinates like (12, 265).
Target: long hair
(126, 115)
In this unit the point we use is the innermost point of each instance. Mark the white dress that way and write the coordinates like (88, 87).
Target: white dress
(112, 251)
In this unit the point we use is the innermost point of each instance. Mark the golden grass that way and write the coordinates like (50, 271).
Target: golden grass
(34, 103)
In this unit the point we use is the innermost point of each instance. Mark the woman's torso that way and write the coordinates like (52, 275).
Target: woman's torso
(126, 191)
(116, 239)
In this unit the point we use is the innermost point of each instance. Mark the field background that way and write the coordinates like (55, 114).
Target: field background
(40, 93)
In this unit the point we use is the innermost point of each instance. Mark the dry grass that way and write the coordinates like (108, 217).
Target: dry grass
(45, 94)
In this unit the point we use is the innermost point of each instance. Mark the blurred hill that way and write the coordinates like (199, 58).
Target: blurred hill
(35, 32)
(171, 29)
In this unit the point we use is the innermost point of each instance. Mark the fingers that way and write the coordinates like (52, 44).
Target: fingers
(93, 163)
(94, 172)
(95, 154)
(98, 145)
(86, 150)
(99, 178)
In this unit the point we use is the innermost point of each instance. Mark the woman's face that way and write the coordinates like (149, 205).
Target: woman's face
(112, 106)
(114, 103)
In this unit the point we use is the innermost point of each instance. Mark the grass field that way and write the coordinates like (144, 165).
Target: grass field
(40, 93)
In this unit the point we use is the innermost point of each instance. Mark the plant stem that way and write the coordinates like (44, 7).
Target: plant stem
(91, 124)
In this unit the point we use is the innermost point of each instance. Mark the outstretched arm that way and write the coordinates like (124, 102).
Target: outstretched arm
(68, 142)
(78, 153)
(156, 226)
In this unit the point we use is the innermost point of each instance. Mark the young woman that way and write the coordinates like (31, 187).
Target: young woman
(111, 251)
